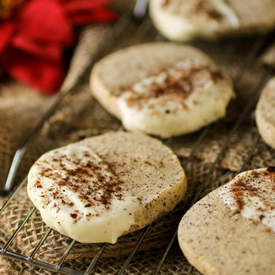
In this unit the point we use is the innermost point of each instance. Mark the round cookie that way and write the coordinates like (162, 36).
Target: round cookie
(182, 20)
(162, 89)
(231, 230)
(265, 113)
(103, 187)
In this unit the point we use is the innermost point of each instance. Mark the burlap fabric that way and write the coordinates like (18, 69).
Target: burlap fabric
(268, 57)
(80, 116)
(20, 109)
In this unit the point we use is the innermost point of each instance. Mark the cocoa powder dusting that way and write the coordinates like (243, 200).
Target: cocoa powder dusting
(204, 7)
(93, 181)
(216, 76)
(242, 187)
(73, 215)
(252, 195)
(165, 3)
(181, 86)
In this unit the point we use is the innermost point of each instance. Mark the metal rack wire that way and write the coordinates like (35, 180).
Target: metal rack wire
(59, 267)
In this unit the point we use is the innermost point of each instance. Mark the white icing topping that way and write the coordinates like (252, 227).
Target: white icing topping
(252, 194)
(219, 6)
(177, 100)
(176, 83)
(78, 194)
(227, 11)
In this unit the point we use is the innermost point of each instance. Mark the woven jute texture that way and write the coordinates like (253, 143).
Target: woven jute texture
(81, 116)
(268, 57)
(20, 109)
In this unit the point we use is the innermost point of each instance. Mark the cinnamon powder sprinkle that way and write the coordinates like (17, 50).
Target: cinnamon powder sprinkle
(180, 82)
(204, 7)
(73, 215)
(91, 179)
(165, 3)
(242, 188)
(252, 195)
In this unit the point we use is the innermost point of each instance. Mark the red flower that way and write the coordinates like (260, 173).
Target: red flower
(33, 39)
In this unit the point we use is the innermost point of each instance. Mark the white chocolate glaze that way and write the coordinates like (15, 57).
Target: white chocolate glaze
(227, 11)
(182, 20)
(77, 194)
(177, 100)
(252, 194)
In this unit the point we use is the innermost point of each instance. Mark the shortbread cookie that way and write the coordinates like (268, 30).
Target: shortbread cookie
(231, 230)
(161, 88)
(182, 20)
(265, 113)
(103, 187)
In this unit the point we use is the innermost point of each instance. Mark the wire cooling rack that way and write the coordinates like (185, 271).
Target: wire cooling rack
(246, 112)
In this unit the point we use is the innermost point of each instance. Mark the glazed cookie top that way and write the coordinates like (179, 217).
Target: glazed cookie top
(103, 187)
(76, 179)
(216, 10)
(175, 84)
(163, 89)
(252, 194)
(181, 20)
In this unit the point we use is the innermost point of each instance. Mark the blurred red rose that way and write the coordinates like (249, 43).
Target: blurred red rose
(33, 36)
